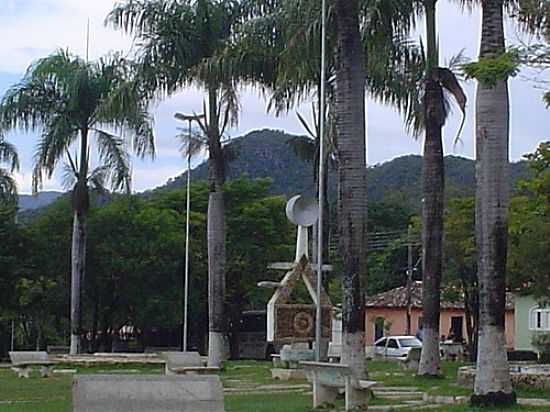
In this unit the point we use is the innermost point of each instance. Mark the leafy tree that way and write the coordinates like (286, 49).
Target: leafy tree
(177, 41)
(70, 100)
(460, 262)
(529, 256)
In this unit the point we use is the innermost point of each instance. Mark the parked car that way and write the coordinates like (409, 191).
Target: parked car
(395, 346)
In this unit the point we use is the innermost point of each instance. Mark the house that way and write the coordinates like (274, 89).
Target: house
(530, 318)
(386, 314)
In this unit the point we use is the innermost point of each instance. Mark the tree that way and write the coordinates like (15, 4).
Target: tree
(460, 262)
(493, 385)
(352, 180)
(177, 41)
(529, 256)
(8, 187)
(70, 100)
(436, 81)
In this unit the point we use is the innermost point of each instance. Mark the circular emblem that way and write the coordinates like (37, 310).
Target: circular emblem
(303, 323)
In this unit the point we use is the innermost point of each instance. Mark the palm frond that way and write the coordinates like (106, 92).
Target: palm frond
(8, 154)
(98, 179)
(114, 158)
(8, 188)
(191, 145)
(450, 83)
(53, 144)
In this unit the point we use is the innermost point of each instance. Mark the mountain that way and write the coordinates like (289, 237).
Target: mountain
(267, 153)
(262, 153)
(30, 202)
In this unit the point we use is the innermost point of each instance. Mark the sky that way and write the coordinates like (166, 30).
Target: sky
(31, 29)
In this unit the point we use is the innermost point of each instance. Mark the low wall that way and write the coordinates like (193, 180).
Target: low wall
(535, 376)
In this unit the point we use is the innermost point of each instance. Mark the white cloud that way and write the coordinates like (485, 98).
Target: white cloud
(37, 28)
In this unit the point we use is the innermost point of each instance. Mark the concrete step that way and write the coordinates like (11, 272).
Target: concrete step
(397, 388)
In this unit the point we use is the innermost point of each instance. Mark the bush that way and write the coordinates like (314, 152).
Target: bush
(541, 341)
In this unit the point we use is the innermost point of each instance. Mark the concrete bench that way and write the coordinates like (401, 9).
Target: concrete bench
(327, 380)
(186, 363)
(24, 362)
(147, 393)
(58, 350)
(412, 360)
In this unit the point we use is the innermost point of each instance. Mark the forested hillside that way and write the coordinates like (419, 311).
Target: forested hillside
(266, 153)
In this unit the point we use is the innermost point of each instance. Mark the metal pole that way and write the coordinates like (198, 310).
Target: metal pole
(186, 286)
(12, 335)
(318, 320)
(409, 279)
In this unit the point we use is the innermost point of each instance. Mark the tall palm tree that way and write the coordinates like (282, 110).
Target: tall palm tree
(436, 81)
(177, 39)
(492, 384)
(352, 179)
(285, 35)
(71, 102)
(8, 186)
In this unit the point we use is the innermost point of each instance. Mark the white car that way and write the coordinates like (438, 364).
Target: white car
(395, 346)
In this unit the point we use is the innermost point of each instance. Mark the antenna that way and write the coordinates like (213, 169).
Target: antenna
(88, 40)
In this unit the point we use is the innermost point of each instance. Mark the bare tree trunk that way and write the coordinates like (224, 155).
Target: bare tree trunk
(352, 174)
(216, 239)
(78, 265)
(492, 385)
(432, 207)
(80, 203)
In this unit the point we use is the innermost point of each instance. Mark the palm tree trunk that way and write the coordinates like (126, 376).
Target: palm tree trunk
(432, 229)
(492, 384)
(80, 203)
(216, 238)
(78, 264)
(432, 207)
(352, 174)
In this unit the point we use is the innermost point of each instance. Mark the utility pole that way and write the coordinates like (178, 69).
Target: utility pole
(409, 278)
(189, 118)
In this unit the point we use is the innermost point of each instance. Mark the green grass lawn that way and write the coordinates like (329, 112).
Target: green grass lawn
(54, 394)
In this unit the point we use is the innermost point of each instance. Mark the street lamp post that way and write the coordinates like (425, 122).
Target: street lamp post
(189, 118)
(318, 320)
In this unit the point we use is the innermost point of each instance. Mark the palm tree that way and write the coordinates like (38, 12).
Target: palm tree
(352, 179)
(282, 54)
(436, 81)
(177, 40)
(72, 101)
(492, 384)
(8, 186)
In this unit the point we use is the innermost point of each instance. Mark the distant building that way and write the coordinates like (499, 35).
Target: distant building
(386, 315)
(530, 318)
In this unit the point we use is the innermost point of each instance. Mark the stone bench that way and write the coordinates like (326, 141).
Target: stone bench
(412, 360)
(23, 363)
(185, 363)
(147, 393)
(329, 378)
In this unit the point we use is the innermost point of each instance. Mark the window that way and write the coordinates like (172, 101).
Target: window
(410, 343)
(382, 343)
(392, 343)
(539, 319)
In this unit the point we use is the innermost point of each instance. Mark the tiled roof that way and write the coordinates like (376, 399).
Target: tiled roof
(397, 298)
